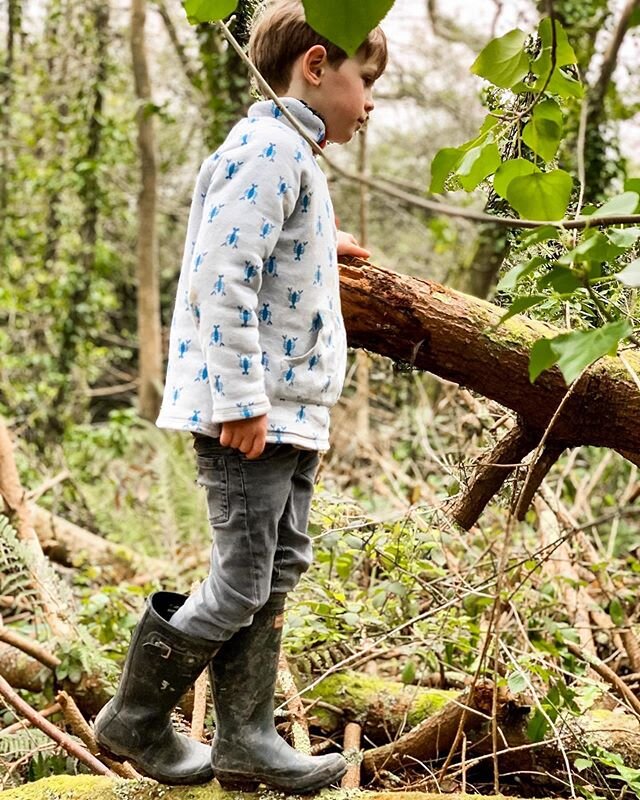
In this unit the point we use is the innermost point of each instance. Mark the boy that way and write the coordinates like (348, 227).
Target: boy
(257, 358)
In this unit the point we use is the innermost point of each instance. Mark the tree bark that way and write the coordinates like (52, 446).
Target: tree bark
(422, 325)
(149, 325)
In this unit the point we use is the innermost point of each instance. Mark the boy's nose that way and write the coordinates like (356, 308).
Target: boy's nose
(369, 105)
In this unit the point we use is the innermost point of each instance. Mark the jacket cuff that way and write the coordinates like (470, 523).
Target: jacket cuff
(242, 410)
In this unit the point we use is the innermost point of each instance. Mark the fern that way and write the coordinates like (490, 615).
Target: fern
(15, 746)
(15, 573)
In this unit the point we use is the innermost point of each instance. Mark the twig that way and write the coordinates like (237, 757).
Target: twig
(607, 673)
(299, 723)
(29, 646)
(36, 494)
(73, 748)
(352, 737)
(81, 728)
(199, 707)
(25, 723)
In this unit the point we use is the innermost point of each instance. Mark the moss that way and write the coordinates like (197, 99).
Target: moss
(93, 787)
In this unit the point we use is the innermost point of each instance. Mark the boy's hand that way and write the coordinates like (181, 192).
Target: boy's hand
(348, 246)
(246, 435)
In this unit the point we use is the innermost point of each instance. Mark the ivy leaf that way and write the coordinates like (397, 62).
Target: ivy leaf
(630, 275)
(565, 54)
(208, 10)
(538, 235)
(623, 237)
(537, 727)
(515, 275)
(596, 248)
(543, 132)
(503, 61)
(625, 203)
(508, 170)
(443, 164)
(541, 358)
(521, 304)
(345, 22)
(478, 164)
(543, 196)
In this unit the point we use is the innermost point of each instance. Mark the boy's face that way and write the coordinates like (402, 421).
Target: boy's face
(345, 96)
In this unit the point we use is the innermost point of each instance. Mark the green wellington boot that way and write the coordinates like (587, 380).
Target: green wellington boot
(247, 750)
(162, 663)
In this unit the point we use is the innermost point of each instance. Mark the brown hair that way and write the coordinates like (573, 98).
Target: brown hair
(280, 34)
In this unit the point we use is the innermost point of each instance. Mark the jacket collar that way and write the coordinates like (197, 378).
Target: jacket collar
(309, 119)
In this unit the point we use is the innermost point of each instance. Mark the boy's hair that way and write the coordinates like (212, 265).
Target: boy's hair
(280, 34)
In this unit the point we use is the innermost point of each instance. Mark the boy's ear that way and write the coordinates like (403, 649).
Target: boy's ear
(314, 63)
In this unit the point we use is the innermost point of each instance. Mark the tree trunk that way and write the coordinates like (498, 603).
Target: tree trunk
(422, 325)
(149, 326)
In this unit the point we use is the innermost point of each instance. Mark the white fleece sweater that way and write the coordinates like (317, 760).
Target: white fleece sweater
(257, 326)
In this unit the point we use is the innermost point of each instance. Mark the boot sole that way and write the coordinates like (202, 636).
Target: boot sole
(249, 783)
(188, 780)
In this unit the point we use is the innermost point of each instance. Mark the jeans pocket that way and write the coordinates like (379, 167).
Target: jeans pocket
(213, 476)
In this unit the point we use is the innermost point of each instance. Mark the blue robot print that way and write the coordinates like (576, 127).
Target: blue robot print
(264, 361)
(218, 286)
(278, 430)
(298, 249)
(203, 375)
(251, 194)
(195, 310)
(317, 276)
(271, 266)
(232, 239)
(301, 414)
(319, 228)
(266, 228)
(316, 322)
(289, 376)
(269, 152)
(175, 394)
(183, 347)
(294, 297)
(245, 409)
(199, 260)
(245, 316)
(215, 211)
(218, 386)
(215, 157)
(246, 138)
(265, 314)
(250, 271)
(245, 363)
(216, 337)
(298, 156)
(305, 203)
(289, 345)
(326, 385)
(314, 361)
(232, 169)
(283, 187)
(195, 417)
(276, 111)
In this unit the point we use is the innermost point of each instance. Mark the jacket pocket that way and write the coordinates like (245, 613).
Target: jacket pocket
(317, 376)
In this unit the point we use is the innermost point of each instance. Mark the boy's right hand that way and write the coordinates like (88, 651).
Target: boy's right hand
(247, 435)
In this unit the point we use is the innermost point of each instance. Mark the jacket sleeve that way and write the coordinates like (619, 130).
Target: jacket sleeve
(253, 189)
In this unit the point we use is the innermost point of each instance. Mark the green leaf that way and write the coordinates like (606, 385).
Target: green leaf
(538, 235)
(516, 682)
(346, 22)
(543, 132)
(537, 727)
(521, 304)
(508, 170)
(596, 248)
(515, 275)
(582, 763)
(632, 185)
(541, 358)
(478, 164)
(561, 279)
(630, 275)
(634, 19)
(208, 10)
(616, 612)
(543, 196)
(580, 349)
(503, 61)
(408, 675)
(565, 53)
(625, 203)
(623, 237)
(443, 164)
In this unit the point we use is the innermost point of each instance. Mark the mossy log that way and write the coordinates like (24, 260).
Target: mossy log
(423, 325)
(66, 787)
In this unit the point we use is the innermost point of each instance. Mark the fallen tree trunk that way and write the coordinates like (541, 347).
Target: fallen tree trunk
(423, 325)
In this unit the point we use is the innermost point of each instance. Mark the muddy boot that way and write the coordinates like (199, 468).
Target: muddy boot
(247, 750)
(162, 663)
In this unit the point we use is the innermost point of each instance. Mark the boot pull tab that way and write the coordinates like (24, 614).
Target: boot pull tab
(278, 622)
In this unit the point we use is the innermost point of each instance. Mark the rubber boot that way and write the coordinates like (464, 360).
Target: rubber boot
(247, 750)
(162, 663)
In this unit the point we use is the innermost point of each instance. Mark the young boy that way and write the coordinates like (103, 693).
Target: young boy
(257, 358)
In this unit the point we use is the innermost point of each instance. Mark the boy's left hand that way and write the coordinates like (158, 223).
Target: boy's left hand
(348, 246)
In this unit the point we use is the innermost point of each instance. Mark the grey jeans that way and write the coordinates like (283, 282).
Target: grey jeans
(259, 511)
